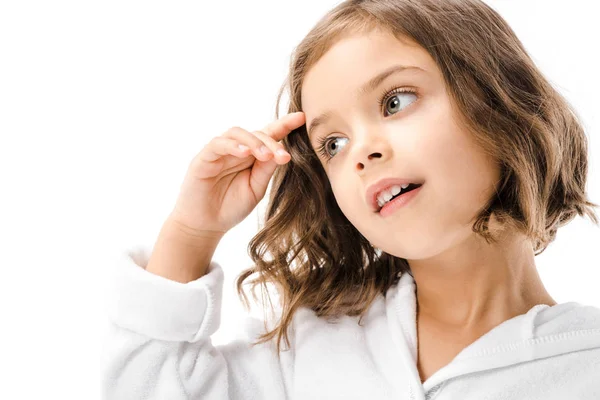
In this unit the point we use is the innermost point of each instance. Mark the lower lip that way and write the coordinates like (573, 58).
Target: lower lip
(399, 202)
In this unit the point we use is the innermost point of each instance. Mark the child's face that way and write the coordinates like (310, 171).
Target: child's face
(417, 137)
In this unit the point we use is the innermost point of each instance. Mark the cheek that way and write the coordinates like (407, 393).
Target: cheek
(350, 203)
(466, 175)
(460, 173)
(342, 197)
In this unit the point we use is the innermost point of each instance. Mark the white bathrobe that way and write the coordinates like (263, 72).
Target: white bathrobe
(159, 347)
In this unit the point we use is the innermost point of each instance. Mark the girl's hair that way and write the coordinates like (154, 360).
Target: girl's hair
(318, 259)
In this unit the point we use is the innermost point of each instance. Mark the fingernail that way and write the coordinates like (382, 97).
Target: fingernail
(282, 152)
(242, 147)
(263, 149)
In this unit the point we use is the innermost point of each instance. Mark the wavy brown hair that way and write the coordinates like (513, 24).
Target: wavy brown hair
(317, 259)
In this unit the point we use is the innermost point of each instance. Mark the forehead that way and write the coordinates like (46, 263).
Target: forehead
(353, 61)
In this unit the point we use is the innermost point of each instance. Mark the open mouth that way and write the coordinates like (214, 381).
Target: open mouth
(409, 188)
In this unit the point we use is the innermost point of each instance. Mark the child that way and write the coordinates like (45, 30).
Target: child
(401, 242)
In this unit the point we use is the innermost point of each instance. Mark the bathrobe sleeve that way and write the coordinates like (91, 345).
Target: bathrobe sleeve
(158, 344)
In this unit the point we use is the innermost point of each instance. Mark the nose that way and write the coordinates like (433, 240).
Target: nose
(370, 151)
(361, 165)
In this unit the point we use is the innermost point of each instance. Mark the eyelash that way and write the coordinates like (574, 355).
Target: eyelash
(322, 143)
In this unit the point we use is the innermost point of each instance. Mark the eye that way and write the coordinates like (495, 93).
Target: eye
(324, 143)
(390, 100)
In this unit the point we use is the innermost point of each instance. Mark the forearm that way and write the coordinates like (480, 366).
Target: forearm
(180, 256)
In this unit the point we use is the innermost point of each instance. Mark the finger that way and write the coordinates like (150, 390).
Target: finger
(281, 127)
(257, 146)
(278, 150)
(260, 176)
(222, 146)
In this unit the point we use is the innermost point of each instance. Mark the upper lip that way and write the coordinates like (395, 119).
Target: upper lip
(374, 189)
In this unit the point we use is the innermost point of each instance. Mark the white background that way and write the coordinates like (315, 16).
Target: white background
(104, 103)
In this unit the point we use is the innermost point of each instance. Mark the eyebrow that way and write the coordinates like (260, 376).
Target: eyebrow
(365, 89)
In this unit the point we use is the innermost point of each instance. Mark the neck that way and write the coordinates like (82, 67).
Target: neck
(478, 284)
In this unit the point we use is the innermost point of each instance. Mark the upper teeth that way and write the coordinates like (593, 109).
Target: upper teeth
(385, 195)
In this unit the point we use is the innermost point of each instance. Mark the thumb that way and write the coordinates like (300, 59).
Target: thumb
(260, 176)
